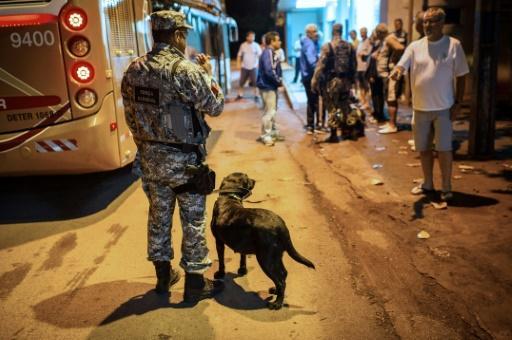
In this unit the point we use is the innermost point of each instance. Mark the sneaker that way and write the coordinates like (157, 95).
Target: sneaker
(372, 120)
(420, 190)
(411, 144)
(388, 129)
(446, 196)
(319, 129)
(309, 130)
(268, 141)
(278, 138)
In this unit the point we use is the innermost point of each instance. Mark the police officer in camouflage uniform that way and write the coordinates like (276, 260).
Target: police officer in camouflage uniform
(165, 98)
(334, 77)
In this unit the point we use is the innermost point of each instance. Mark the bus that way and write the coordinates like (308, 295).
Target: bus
(61, 66)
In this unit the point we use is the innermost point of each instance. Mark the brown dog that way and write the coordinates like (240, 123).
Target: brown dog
(252, 231)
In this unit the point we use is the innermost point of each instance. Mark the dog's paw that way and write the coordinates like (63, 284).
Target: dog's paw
(272, 290)
(274, 305)
(219, 275)
(242, 271)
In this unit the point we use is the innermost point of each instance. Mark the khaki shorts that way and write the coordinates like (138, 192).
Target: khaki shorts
(250, 75)
(393, 90)
(432, 126)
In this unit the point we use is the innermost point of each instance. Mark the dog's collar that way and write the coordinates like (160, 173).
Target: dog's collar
(234, 193)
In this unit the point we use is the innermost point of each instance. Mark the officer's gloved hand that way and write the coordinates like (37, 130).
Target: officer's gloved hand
(203, 60)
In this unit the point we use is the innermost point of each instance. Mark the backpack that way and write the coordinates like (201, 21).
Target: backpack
(340, 60)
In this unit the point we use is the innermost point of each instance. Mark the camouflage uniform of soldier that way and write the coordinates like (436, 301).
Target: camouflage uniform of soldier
(165, 98)
(334, 77)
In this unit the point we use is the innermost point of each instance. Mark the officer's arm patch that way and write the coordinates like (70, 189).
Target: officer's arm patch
(147, 95)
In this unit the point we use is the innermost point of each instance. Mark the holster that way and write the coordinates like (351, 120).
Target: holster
(202, 181)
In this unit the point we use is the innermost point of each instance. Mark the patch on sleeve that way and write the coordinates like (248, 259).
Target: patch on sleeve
(147, 95)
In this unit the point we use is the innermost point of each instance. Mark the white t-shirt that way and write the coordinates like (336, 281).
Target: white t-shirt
(249, 52)
(363, 49)
(280, 55)
(297, 47)
(434, 66)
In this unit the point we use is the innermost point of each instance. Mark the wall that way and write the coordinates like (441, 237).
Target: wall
(393, 9)
(296, 21)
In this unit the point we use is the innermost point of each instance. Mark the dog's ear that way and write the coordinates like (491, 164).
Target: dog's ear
(231, 181)
(226, 183)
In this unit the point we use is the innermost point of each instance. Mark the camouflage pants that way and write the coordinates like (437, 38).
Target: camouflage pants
(337, 102)
(163, 169)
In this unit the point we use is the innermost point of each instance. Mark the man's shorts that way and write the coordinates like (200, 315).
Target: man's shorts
(362, 81)
(432, 126)
(250, 75)
(393, 90)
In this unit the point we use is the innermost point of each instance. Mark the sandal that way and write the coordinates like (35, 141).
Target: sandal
(420, 190)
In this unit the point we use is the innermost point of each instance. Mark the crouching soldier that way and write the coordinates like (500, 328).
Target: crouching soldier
(335, 71)
(165, 98)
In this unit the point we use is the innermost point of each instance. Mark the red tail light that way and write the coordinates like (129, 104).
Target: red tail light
(82, 72)
(75, 19)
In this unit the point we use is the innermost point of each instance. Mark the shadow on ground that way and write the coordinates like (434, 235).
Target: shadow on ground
(56, 198)
(460, 199)
(124, 309)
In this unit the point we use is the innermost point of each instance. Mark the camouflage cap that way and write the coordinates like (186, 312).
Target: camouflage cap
(168, 20)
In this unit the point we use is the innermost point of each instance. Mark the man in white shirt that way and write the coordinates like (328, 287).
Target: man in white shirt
(247, 62)
(364, 49)
(436, 63)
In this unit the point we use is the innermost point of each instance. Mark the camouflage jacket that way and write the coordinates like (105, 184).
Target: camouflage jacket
(337, 60)
(166, 105)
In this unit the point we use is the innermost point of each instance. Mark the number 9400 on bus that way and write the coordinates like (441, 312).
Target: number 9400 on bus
(61, 67)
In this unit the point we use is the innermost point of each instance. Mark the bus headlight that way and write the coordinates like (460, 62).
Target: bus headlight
(79, 46)
(86, 98)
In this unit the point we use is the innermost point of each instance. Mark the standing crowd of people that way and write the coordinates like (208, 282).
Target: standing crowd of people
(344, 79)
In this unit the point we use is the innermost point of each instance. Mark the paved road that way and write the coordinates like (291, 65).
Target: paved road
(84, 275)
(87, 277)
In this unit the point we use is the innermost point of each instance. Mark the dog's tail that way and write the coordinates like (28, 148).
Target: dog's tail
(294, 254)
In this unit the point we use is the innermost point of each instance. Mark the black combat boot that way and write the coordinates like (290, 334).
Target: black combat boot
(333, 138)
(198, 288)
(166, 276)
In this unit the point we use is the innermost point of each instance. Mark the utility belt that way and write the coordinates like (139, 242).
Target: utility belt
(199, 150)
(202, 180)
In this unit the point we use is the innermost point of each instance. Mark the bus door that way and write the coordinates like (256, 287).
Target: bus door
(33, 90)
(122, 45)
